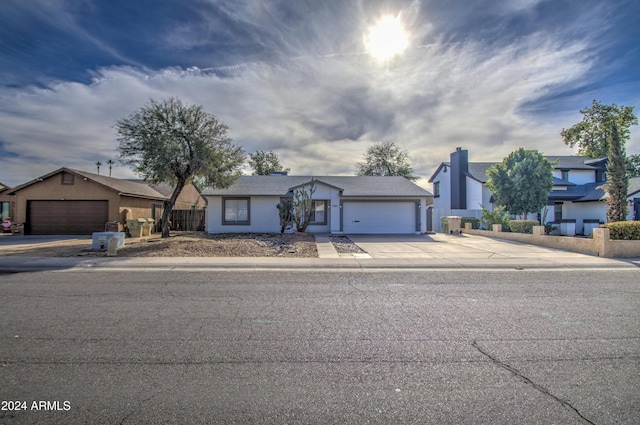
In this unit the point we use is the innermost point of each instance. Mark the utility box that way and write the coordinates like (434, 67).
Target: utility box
(589, 225)
(568, 227)
(100, 240)
(455, 224)
(112, 226)
(136, 226)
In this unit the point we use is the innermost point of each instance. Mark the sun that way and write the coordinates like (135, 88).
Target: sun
(386, 39)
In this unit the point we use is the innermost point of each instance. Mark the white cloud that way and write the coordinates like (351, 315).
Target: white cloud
(319, 113)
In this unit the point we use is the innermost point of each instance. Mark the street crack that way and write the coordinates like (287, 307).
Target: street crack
(528, 381)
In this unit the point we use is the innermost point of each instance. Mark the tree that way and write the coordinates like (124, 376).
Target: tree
(385, 159)
(98, 165)
(592, 134)
(110, 163)
(604, 131)
(170, 142)
(633, 165)
(521, 182)
(617, 181)
(265, 163)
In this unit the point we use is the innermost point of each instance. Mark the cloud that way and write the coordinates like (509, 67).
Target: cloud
(318, 101)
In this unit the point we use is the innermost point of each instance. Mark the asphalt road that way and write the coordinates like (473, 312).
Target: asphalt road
(335, 347)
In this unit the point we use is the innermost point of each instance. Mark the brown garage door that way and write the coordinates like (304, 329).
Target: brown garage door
(66, 217)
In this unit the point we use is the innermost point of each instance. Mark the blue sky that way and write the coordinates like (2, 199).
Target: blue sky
(295, 77)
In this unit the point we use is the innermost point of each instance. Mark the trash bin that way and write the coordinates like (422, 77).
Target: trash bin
(136, 226)
(152, 225)
(455, 224)
(146, 227)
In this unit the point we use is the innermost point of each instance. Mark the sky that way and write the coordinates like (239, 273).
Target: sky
(303, 79)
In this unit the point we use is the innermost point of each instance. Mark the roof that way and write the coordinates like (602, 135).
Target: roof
(578, 163)
(350, 186)
(3, 187)
(163, 188)
(579, 193)
(124, 187)
(478, 170)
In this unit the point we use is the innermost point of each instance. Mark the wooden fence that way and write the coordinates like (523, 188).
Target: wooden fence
(191, 220)
(186, 220)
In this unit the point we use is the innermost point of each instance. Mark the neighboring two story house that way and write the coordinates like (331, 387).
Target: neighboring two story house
(459, 188)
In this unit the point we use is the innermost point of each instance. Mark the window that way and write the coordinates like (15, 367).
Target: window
(436, 189)
(557, 210)
(235, 211)
(318, 212)
(67, 178)
(565, 175)
(601, 176)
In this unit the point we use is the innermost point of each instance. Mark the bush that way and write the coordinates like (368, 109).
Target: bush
(624, 230)
(475, 222)
(523, 226)
(497, 216)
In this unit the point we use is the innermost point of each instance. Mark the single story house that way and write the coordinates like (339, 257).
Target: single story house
(68, 201)
(577, 197)
(349, 204)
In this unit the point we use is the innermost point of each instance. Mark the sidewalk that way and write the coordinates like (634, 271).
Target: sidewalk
(412, 252)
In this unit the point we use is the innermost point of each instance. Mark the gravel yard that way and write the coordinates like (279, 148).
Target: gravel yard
(184, 244)
(344, 245)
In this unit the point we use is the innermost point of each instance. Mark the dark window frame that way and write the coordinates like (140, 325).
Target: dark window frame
(436, 189)
(226, 222)
(557, 212)
(312, 221)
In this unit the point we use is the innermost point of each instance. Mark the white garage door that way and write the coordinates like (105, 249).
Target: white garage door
(379, 217)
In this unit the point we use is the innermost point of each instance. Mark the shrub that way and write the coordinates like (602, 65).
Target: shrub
(523, 226)
(497, 216)
(624, 230)
(475, 222)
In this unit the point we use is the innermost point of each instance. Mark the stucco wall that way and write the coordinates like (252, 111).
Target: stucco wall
(263, 216)
(52, 189)
(600, 244)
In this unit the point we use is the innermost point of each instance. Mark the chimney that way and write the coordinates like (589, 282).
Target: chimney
(459, 166)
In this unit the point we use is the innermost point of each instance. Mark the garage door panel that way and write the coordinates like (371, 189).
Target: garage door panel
(67, 217)
(379, 217)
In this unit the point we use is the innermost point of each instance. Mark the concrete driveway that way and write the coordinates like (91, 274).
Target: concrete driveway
(467, 249)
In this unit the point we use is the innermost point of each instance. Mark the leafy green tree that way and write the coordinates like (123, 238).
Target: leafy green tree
(385, 159)
(617, 180)
(592, 134)
(170, 142)
(521, 182)
(604, 131)
(633, 165)
(265, 163)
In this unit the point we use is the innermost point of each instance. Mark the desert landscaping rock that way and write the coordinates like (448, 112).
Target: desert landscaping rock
(344, 245)
(186, 244)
